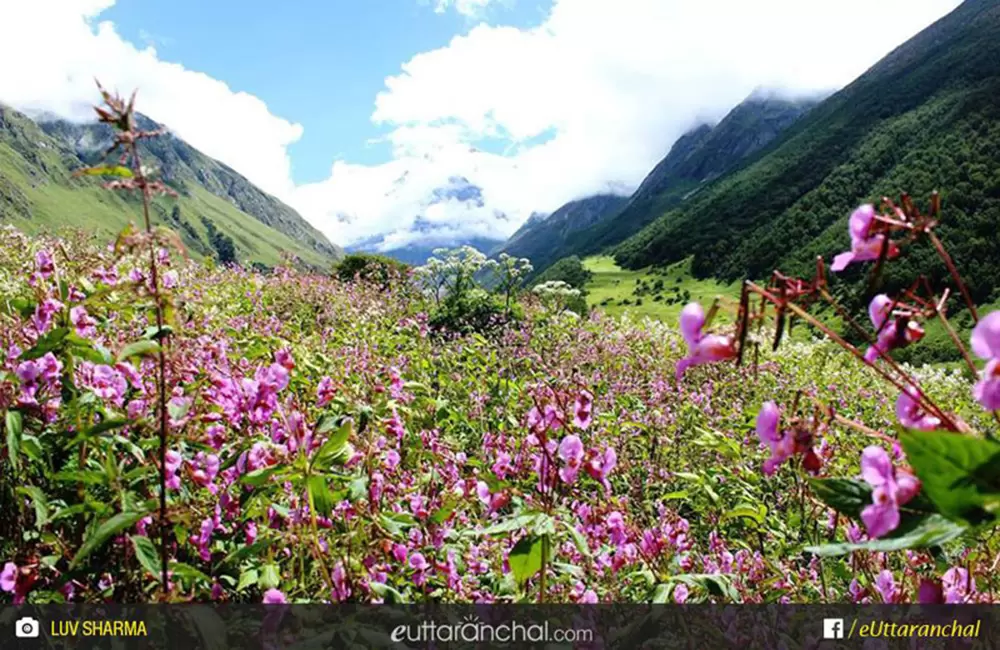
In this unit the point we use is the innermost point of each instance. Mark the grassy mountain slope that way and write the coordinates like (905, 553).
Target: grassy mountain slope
(700, 155)
(38, 193)
(926, 117)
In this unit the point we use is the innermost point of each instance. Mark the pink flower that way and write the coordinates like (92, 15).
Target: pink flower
(957, 585)
(341, 589)
(44, 312)
(930, 592)
(172, 464)
(44, 263)
(600, 466)
(702, 348)
(274, 597)
(911, 415)
(986, 344)
(886, 586)
(170, 279)
(283, 357)
(571, 453)
(681, 594)
(784, 444)
(548, 418)
(891, 335)
(325, 392)
(864, 245)
(8, 577)
(891, 490)
(106, 382)
(82, 322)
(583, 409)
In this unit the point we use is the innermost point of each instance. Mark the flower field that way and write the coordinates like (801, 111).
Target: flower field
(325, 445)
(179, 431)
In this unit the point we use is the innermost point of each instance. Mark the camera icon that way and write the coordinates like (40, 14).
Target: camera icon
(26, 628)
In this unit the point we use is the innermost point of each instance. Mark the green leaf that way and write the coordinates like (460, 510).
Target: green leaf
(88, 477)
(579, 540)
(141, 348)
(32, 448)
(397, 522)
(154, 333)
(335, 450)
(319, 492)
(846, 496)
(40, 501)
(187, 571)
(106, 170)
(259, 477)
(248, 578)
(110, 527)
(920, 532)
(148, 556)
(525, 558)
(441, 515)
(507, 525)
(269, 577)
(758, 513)
(959, 473)
(388, 594)
(14, 425)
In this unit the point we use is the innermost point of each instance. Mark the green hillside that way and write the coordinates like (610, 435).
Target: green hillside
(39, 194)
(927, 117)
(657, 293)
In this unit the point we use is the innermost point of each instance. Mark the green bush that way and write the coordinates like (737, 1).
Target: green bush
(371, 267)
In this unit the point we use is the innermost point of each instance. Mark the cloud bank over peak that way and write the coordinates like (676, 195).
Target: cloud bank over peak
(588, 100)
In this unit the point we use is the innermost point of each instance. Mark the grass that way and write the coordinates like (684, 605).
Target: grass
(612, 287)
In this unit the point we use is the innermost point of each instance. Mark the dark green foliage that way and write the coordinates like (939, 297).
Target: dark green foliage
(925, 118)
(371, 267)
(569, 269)
(225, 250)
(472, 312)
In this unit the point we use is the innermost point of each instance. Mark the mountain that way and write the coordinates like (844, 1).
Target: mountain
(418, 241)
(417, 252)
(542, 238)
(699, 156)
(219, 213)
(924, 118)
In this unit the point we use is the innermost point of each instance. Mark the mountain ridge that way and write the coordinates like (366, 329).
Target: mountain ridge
(923, 118)
(698, 156)
(216, 204)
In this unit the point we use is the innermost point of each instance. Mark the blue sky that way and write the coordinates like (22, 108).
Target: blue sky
(319, 63)
(358, 112)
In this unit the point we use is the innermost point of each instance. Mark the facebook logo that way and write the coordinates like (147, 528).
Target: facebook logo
(833, 628)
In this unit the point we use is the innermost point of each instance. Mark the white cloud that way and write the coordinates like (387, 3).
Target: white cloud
(593, 96)
(616, 82)
(469, 8)
(63, 48)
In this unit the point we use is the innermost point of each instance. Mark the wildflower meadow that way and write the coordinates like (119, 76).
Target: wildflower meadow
(179, 431)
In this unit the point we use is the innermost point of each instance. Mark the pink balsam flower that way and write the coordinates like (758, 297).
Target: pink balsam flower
(913, 416)
(892, 335)
(986, 344)
(702, 348)
(864, 245)
(891, 489)
(784, 443)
